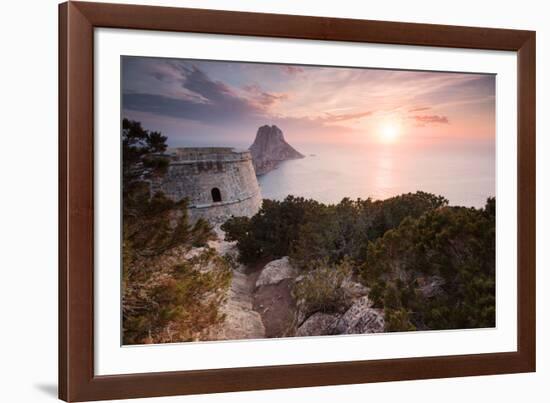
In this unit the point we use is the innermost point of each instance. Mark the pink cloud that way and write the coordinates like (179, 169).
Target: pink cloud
(262, 97)
(423, 120)
(292, 70)
(329, 117)
(425, 108)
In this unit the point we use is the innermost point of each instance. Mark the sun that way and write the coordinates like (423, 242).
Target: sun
(389, 132)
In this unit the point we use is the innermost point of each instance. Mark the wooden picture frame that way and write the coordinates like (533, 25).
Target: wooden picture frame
(77, 21)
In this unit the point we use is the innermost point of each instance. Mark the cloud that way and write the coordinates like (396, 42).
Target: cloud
(423, 120)
(329, 117)
(421, 109)
(214, 91)
(264, 98)
(292, 70)
(214, 101)
(228, 99)
(459, 89)
(186, 109)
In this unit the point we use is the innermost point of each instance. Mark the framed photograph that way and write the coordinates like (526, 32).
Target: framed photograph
(256, 201)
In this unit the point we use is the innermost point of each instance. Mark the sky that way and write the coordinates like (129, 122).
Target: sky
(217, 103)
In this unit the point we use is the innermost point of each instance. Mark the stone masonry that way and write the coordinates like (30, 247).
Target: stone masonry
(218, 182)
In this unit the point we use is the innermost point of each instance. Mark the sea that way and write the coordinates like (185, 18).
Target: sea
(463, 174)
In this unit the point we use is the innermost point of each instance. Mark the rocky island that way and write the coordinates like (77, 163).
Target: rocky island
(270, 148)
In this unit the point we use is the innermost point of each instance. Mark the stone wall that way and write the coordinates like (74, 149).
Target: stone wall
(194, 173)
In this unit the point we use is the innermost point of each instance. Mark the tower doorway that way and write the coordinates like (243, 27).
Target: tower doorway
(216, 195)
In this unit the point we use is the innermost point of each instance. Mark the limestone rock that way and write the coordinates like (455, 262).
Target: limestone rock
(353, 290)
(275, 272)
(361, 318)
(241, 320)
(270, 148)
(301, 311)
(318, 324)
(276, 306)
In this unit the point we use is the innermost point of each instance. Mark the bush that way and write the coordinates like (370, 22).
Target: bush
(456, 244)
(176, 304)
(166, 297)
(398, 320)
(272, 231)
(321, 289)
(163, 302)
(309, 231)
(155, 225)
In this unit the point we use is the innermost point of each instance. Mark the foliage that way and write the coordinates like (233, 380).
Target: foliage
(309, 231)
(167, 295)
(429, 265)
(397, 320)
(137, 141)
(156, 225)
(141, 149)
(454, 244)
(153, 223)
(320, 290)
(272, 231)
(176, 304)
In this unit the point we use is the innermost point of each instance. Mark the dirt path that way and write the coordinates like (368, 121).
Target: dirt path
(242, 321)
(253, 313)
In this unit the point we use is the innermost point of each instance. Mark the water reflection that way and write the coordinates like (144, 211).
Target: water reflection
(464, 176)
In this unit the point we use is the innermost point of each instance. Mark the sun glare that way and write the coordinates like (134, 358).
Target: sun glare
(389, 132)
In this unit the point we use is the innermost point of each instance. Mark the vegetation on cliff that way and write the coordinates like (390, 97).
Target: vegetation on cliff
(169, 292)
(437, 271)
(428, 265)
(321, 289)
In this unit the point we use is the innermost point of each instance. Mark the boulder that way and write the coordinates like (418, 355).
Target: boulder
(353, 290)
(301, 311)
(276, 271)
(318, 324)
(361, 318)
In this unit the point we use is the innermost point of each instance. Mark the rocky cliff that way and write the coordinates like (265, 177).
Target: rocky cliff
(270, 148)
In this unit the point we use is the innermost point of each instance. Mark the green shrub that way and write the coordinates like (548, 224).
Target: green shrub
(456, 244)
(163, 302)
(166, 297)
(321, 290)
(158, 224)
(272, 231)
(308, 231)
(398, 320)
(176, 304)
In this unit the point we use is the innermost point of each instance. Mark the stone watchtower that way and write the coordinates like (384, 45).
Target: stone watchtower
(218, 182)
